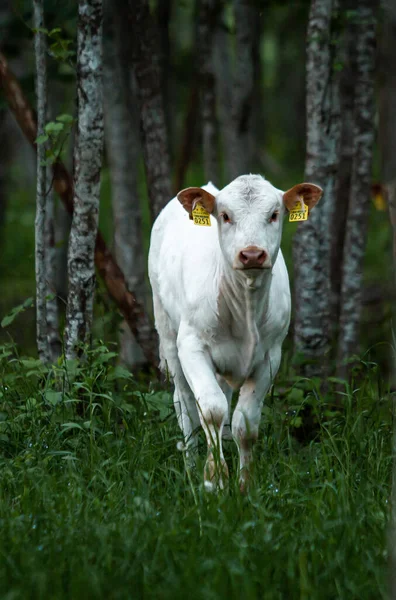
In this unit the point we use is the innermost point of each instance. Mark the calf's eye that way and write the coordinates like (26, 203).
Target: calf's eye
(274, 216)
(226, 218)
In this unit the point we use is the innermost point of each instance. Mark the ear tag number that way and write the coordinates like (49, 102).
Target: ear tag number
(201, 216)
(299, 212)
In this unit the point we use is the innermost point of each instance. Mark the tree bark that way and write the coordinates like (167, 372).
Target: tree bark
(188, 134)
(242, 93)
(40, 250)
(54, 341)
(340, 213)
(312, 243)
(387, 121)
(87, 167)
(154, 136)
(360, 189)
(122, 143)
(164, 13)
(208, 11)
(224, 75)
(109, 270)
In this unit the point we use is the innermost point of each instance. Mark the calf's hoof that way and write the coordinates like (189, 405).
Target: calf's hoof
(215, 474)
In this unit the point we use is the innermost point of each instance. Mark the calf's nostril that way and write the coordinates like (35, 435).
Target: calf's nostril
(261, 257)
(253, 257)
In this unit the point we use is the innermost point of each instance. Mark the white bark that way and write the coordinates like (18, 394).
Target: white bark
(123, 152)
(360, 190)
(312, 241)
(41, 86)
(87, 167)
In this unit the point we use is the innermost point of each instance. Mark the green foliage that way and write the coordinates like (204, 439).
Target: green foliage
(95, 501)
(59, 46)
(8, 319)
(56, 133)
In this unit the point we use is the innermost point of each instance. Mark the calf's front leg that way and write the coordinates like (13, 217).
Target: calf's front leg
(247, 414)
(211, 402)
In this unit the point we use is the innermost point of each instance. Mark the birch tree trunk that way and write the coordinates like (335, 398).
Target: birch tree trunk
(312, 243)
(87, 166)
(154, 136)
(112, 276)
(242, 93)
(208, 11)
(123, 151)
(41, 86)
(360, 189)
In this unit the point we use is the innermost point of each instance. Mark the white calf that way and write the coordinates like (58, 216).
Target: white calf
(222, 307)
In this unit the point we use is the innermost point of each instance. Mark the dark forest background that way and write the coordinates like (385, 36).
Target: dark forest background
(272, 141)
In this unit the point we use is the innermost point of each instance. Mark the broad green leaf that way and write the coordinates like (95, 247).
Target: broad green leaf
(41, 139)
(65, 118)
(120, 372)
(53, 127)
(54, 31)
(53, 397)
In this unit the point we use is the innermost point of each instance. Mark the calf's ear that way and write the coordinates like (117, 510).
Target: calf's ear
(309, 192)
(192, 195)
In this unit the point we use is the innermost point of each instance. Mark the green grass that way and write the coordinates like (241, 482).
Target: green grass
(95, 501)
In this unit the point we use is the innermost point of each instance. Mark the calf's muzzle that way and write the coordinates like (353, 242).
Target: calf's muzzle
(253, 257)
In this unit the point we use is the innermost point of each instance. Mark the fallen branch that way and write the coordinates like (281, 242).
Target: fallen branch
(114, 279)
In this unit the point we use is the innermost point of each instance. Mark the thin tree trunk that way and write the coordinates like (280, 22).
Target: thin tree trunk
(208, 11)
(224, 74)
(145, 42)
(121, 129)
(242, 93)
(164, 12)
(360, 190)
(256, 122)
(311, 248)
(109, 270)
(40, 250)
(387, 124)
(340, 213)
(188, 134)
(87, 167)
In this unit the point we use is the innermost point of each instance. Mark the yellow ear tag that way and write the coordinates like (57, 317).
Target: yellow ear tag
(201, 216)
(299, 212)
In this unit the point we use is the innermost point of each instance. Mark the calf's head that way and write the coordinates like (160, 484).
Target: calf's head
(249, 213)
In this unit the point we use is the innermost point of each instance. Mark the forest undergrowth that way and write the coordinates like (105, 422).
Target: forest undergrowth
(95, 501)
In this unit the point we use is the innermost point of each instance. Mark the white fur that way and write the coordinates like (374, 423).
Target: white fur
(221, 328)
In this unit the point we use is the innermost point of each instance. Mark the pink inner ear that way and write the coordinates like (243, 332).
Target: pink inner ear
(191, 196)
(310, 192)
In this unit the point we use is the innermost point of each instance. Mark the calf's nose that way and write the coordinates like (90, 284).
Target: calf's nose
(252, 257)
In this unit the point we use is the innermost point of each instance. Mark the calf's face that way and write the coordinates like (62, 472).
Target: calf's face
(249, 212)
